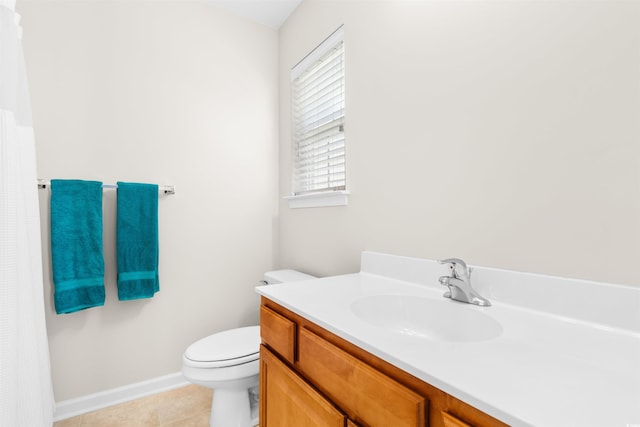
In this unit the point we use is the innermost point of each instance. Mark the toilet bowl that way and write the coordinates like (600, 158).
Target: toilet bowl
(229, 362)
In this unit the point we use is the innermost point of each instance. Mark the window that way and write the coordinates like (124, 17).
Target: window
(318, 120)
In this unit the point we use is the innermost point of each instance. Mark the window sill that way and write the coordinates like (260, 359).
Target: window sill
(318, 200)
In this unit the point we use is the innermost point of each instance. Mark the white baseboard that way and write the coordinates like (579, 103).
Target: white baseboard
(92, 402)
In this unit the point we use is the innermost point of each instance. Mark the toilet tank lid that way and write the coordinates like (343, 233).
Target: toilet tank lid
(281, 276)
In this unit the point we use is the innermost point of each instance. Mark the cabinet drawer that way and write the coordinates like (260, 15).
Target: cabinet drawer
(278, 332)
(451, 421)
(368, 396)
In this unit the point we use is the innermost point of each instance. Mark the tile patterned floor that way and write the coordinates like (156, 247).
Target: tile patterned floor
(182, 407)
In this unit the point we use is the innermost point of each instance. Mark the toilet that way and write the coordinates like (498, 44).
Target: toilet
(228, 362)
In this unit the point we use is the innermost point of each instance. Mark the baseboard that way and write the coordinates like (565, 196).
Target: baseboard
(92, 402)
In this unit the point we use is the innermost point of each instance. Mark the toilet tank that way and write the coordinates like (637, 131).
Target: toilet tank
(281, 276)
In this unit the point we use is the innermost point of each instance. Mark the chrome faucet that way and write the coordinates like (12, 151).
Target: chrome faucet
(459, 283)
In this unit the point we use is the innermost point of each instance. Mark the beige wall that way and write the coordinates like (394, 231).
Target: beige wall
(171, 93)
(504, 133)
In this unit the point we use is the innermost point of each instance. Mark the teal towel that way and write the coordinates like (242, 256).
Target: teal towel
(137, 240)
(76, 245)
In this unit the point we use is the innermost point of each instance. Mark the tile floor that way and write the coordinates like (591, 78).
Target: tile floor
(182, 407)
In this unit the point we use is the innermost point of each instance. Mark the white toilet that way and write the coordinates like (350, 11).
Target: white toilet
(229, 363)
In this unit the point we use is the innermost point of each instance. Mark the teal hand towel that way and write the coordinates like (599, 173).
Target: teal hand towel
(137, 240)
(76, 245)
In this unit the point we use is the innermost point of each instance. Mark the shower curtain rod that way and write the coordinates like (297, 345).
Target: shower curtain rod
(165, 189)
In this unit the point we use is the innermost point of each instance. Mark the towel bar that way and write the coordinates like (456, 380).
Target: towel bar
(164, 189)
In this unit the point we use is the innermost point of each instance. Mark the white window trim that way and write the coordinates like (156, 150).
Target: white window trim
(329, 197)
(319, 199)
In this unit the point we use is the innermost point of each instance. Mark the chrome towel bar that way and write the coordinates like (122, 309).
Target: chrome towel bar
(164, 189)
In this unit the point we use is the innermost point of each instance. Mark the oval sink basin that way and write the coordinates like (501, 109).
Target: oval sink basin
(441, 320)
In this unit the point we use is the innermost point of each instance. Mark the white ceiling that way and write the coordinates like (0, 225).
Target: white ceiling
(271, 13)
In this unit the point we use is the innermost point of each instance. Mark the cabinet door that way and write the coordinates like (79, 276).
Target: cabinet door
(286, 400)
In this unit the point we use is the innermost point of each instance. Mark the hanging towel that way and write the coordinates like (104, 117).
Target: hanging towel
(137, 240)
(76, 245)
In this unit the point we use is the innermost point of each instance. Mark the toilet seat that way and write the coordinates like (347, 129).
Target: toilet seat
(228, 348)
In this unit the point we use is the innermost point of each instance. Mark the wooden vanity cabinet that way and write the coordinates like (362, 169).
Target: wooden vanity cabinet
(310, 377)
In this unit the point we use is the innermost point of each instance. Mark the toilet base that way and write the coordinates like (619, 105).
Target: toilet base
(231, 408)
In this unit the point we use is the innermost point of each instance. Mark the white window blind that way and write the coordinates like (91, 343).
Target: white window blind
(318, 119)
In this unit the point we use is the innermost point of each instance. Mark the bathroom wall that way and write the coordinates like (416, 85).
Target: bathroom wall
(171, 92)
(504, 133)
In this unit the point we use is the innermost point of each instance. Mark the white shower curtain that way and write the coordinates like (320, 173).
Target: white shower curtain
(26, 398)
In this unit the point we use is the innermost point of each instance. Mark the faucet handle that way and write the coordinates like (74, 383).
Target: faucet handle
(454, 263)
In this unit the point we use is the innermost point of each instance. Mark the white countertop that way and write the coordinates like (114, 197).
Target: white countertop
(545, 368)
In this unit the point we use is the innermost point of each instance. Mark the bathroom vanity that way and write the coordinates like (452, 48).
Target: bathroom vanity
(383, 348)
(315, 378)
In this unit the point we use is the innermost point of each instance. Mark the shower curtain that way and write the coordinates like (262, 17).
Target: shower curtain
(26, 398)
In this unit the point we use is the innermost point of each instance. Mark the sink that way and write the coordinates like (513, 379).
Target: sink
(429, 318)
